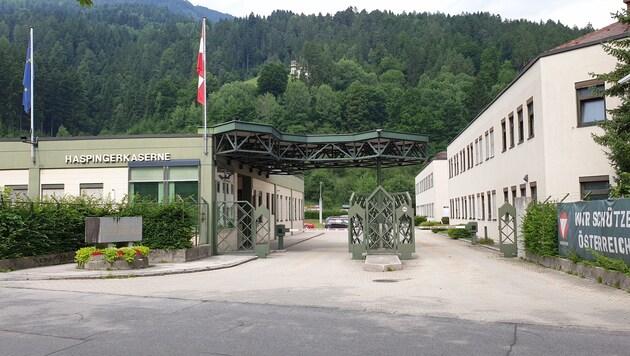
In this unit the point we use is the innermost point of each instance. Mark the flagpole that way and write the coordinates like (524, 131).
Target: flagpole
(32, 102)
(205, 94)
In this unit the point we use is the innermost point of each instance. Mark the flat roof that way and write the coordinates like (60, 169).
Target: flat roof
(263, 147)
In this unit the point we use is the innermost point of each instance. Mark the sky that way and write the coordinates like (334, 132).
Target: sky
(568, 12)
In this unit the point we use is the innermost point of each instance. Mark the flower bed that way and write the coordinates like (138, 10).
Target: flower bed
(112, 258)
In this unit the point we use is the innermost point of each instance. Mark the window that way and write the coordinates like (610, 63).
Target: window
(503, 136)
(494, 205)
(523, 190)
(18, 190)
(511, 120)
(505, 195)
(476, 151)
(591, 105)
(487, 146)
(52, 190)
(594, 188)
(480, 149)
(491, 142)
(187, 190)
(521, 127)
(91, 189)
(530, 117)
(513, 195)
(489, 196)
(533, 191)
(147, 190)
(483, 209)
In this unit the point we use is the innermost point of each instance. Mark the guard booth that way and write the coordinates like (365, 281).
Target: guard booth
(380, 222)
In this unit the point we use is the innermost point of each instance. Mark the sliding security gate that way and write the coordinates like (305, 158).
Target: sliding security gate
(242, 229)
(381, 223)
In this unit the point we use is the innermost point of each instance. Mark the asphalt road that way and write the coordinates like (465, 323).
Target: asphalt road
(313, 300)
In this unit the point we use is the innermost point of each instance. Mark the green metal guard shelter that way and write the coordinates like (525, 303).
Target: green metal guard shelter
(380, 223)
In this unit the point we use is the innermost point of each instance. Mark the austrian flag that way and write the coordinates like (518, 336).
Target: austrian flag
(201, 68)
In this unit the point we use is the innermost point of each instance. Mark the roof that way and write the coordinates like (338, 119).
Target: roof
(266, 149)
(611, 32)
(602, 35)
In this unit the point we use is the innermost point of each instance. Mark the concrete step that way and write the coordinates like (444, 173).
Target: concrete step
(382, 263)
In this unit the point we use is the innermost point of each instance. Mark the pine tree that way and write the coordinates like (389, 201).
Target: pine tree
(616, 135)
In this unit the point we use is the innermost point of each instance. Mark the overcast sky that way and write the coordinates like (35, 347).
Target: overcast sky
(569, 12)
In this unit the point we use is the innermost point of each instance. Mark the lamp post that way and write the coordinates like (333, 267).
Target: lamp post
(320, 203)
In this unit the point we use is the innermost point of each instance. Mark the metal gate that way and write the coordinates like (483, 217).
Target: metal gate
(242, 229)
(507, 230)
(380, 223)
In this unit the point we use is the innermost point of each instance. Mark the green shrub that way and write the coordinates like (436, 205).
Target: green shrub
(51, 226)
(458, 233)
(431, 223)
(167, 226)
(485, 241)
(445, 220)
(540, 229)
(418, 220)
(609, 263)
(326, 213)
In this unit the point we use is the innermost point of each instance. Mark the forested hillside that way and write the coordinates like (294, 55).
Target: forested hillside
(130, 68)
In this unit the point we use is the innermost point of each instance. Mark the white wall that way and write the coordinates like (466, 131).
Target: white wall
(437, 194)
(557, 155)
(14, 177)
(114, 180)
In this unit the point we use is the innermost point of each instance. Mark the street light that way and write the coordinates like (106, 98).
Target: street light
(320, 203)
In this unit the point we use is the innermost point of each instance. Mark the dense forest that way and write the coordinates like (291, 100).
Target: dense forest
(129, 68)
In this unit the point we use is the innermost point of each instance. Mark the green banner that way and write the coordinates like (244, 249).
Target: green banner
(602, 226)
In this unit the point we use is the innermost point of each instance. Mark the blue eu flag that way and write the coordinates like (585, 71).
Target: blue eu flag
(28, 76)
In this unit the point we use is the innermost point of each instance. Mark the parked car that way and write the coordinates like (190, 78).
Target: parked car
(336, 222)
(308, 225)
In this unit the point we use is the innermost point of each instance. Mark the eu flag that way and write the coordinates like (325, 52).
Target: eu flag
(29, 75)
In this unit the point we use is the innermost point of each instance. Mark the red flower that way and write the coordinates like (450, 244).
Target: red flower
(138, 252)
(96, 253)
(120, 252)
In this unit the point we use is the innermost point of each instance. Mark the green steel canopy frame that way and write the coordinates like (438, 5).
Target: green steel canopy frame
(264, 148)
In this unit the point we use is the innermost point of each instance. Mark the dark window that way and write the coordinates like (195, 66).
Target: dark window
(530, 117)
(511, 120)
(503, 136)
(534, 191)
(594, 188)
(591, 105)
(521, 126)
(147, 190)
(186, 190)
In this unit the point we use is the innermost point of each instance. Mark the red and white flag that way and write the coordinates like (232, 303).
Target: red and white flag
(201, 68)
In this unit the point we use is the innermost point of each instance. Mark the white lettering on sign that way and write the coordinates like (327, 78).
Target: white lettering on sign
(117, 158)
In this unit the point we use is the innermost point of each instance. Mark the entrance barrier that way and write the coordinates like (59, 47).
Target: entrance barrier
(381, 223)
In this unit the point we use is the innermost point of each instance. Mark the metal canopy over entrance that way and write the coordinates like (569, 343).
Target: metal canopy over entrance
(264, 148)
(380, 222)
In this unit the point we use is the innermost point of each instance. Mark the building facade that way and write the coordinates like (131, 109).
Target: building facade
(535, 139)
(161, 167)
(431, 196)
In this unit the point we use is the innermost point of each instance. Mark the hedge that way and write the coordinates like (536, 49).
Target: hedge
(326, 213)
(540, 229)
(50, 226)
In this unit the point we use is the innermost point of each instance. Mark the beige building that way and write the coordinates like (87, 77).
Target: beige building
(432, 198)
(534, 139)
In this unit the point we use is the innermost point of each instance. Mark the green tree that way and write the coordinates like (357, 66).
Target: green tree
(616, 136)
(273, 79)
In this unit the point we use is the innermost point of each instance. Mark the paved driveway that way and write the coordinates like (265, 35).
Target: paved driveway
(447, 279)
